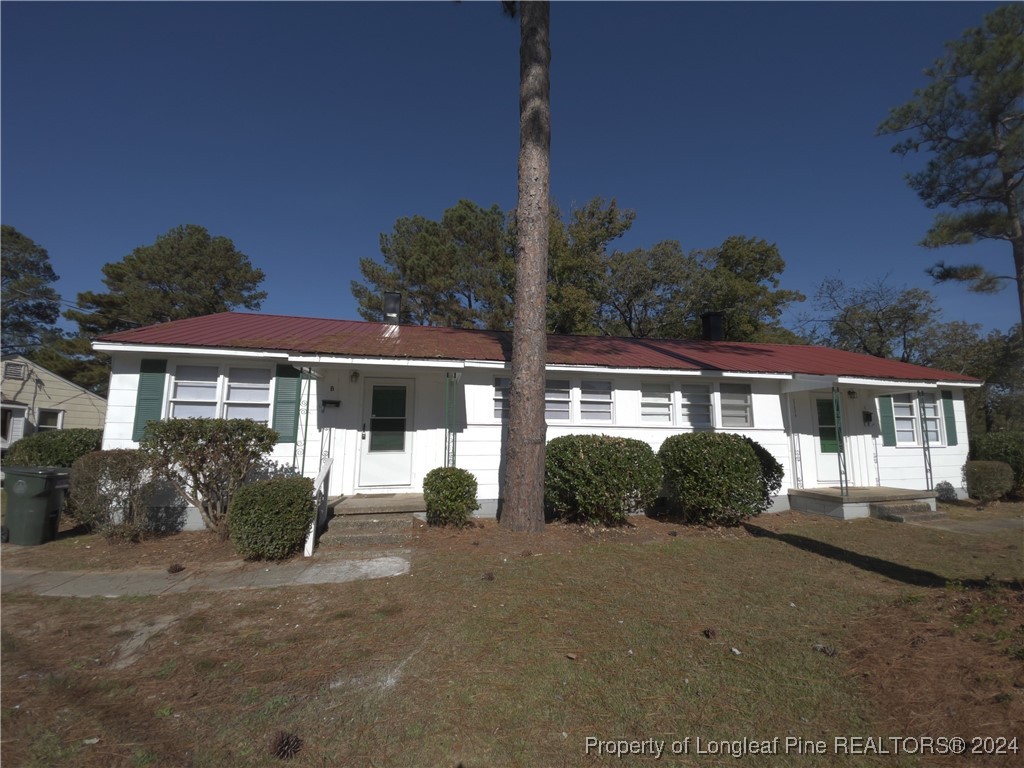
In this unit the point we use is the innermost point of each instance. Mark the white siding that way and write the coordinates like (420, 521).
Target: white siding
(338, 431)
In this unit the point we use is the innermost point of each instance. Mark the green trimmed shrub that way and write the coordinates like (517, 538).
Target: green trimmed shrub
(988, 481)
(207, 460)
(53, 448)
(599, 479)
(110, 492)
(269, 519)
(946, 492)
(715, 478)
(1003, 446)
(771, 473)
(450, 495)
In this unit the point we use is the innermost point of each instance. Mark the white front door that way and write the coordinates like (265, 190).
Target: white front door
(826, 439)
(385, 453)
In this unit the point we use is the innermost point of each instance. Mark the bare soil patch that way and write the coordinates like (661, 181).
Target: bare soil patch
(74, 550)
(951, 663)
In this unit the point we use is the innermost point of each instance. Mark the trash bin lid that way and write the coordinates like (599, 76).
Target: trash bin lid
(39, 471)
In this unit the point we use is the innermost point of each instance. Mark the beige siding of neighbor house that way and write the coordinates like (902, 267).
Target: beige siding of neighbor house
(43, 391)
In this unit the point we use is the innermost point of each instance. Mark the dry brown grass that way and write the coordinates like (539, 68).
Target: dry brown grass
(502, 649)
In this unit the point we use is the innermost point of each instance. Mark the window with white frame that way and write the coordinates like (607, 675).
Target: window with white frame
(198, 392)
(501, 385)
(915, 419)
(595, 400)
(194, 392)
(248, 394)
(557, 400)
(695, 406)
(656, 403)
(736, 405)
(49, 418)
(931, 425)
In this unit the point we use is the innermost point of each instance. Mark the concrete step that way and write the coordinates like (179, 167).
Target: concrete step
(359, 541)
(904, 511)
(361, 522)
(368, 530)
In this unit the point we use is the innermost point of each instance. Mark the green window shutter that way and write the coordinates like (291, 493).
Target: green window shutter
(947, 412)
(287, 393)
(885, 416)
(149, 399)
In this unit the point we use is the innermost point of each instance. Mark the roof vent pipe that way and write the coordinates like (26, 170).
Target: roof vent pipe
(392, 307)
(713, 326)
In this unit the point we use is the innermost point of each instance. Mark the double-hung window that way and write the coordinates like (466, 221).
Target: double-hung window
(916, 419)
(557, 400)
(501, 385)
(248, 394)
(904, 411)
(695, 406)
(195, 390)
(656, 403)
(737, 405)
(930, 423)
(595, 400)
(203, 392)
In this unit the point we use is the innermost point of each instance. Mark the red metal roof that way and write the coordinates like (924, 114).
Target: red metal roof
(313, 336)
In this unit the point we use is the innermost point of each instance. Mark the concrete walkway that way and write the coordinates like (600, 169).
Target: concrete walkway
(213, 579)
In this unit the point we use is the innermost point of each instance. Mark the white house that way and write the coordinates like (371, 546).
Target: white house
(388, 403)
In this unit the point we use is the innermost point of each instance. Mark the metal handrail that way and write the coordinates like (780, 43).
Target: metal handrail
(320, 497)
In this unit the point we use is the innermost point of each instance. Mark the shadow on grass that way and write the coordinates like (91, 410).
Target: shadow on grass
(913, 576)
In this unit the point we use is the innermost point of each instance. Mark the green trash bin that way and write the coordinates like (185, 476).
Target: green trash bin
(35, 496)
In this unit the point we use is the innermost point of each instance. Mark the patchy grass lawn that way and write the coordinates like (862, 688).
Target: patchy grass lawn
(512, 650)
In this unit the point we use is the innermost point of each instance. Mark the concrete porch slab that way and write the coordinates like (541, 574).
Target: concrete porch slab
(857, 503)
(377, 504)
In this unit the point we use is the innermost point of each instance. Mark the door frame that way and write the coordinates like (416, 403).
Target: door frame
(363, 437)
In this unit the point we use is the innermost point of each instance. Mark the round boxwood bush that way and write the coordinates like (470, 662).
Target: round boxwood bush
(1003, 446)
(53, 448)
(599, 479)
(269, 519)
(988, 481)
(715, 478)
(450, 495)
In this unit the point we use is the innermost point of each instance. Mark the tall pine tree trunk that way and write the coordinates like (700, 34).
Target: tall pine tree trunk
(523, 508)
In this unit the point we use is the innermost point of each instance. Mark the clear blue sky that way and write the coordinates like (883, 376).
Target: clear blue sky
(303, 131)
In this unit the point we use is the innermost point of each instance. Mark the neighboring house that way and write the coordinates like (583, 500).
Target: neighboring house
(388, 403)
(35, 399)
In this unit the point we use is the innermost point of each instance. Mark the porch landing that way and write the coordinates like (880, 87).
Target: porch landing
(377, 504)
(858, 502)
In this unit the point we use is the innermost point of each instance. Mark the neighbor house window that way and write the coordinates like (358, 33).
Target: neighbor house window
(930, 423)
(557, 400)
(695, 406)
(501, 386)
(737, 406)
(595, 400)
(198, 393)
(656, 403)
(49, 418)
